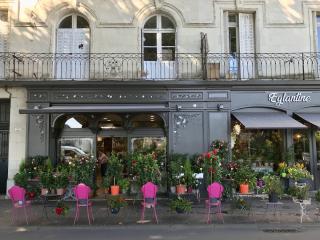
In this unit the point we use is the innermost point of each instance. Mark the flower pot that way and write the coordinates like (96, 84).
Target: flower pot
(60, 191)
(179, 210)
(273, 197)
(44, 191)
(115, 210)
(244, 188)
(180, 189)
(115, 189)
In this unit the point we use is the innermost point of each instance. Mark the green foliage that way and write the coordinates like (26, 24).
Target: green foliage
(47, 179)
(272, 184)
(246, 175)
(114, 169)
(82, 169)
(61, 180)
(21, 179)
(124, 184)
(176, 168)
(298, 171)
(181, 203)
(188, 174)
(300, 192)
(147, 169)
(116, 201)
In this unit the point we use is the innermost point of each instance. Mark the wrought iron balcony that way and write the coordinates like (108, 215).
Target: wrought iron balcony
(182, 66)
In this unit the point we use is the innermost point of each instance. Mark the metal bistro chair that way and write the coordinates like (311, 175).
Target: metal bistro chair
(149, 191)
(82, 192)
(17, 196)
(215, 191)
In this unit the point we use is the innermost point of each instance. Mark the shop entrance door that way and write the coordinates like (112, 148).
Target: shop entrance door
(4, 144)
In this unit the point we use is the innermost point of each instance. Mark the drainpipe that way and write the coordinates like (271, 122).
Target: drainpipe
(10, 95)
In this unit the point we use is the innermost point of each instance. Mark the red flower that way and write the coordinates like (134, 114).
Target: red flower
(208, 155)
(59, 210)
(215, 151)
(134, 162)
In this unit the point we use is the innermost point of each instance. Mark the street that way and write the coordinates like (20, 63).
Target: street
(176, 232)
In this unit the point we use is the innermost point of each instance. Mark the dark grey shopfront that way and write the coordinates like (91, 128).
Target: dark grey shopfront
(191, 115)
(4, 143)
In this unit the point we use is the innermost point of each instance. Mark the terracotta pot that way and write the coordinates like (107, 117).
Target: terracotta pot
(115, 189)
(244, 188)
(180, 189)
(60, 191)
(44, 191)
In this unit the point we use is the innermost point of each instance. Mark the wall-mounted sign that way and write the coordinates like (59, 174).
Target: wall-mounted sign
(280, 98)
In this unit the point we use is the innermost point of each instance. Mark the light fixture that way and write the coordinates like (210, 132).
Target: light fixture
(99, 139)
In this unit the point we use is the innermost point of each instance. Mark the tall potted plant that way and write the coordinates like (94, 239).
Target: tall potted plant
(61, 181)
(245, 177)
(147, 169)
(273, 187)
(114, 173)
(46, 181)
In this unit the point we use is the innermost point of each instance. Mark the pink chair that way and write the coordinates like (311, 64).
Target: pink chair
(82, 192)
(149, 191)
(17, 195)
(215, 191)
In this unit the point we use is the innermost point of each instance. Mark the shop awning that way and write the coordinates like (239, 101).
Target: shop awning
(313, 118)
(267, 120)
(86, 108)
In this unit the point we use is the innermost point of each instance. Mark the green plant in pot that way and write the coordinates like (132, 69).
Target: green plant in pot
(114, 173)
(147, 169)
(46, 181)
(21, 179)
(245, 177)
(61, 182)
(115, 203)
(124, 184)
(300, 192)
(180, 205)
(273, 187)
(188, 175)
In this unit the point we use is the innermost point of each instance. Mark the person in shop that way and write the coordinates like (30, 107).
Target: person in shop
(103, 160)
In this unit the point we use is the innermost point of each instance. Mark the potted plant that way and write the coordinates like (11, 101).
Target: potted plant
(124, 185)
(300, 192)
(46, 181)
(245, 177)
(273, 187)
(114, 172)
(180, 205)
(175, 173)
(147, 169)
(299, 173)
(115, 203)
(21, 179)
(188, 175)
(61, 181)
(61, 209)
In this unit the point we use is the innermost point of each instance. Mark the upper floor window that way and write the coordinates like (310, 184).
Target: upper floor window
(159, 39)
(240, 32)
(74, 21)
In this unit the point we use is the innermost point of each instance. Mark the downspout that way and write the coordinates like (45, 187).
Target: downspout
(10, 95)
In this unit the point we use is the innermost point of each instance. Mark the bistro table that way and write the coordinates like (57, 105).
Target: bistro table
(303, 207)
(49, 200)
(274, 207)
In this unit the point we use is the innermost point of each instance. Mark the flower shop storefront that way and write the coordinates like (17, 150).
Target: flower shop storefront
(280, 128)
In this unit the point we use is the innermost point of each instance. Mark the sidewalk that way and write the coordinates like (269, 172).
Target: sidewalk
(288, 213)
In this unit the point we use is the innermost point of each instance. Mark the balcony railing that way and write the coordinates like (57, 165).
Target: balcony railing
(182, 66)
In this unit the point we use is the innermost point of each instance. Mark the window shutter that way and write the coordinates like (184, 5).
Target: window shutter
(64, 40)
(246, 33)
(4, 30)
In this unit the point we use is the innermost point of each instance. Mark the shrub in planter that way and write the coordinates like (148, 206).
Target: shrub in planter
(124, 185)
(246, 178)
(273, 187)
(61, 181)
(114, 173)
(180, 205)
(46, 181)
(21, 179)
(147, 169)
(61, 209)
(300, 192)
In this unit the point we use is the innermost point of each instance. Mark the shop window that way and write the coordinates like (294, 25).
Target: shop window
(258, 147)
(69, 148)
(139, 144)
